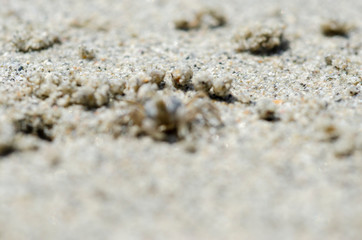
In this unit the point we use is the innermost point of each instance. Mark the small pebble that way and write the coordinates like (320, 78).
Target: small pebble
(335, 27)
(266, 110)
(181, 77)
(208, 18)
(203, 82)
(260, 39)
(221, 86)
(86, 53)
(30, 40)
(157, 76)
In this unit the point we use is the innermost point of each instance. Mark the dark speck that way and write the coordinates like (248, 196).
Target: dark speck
(20, 68)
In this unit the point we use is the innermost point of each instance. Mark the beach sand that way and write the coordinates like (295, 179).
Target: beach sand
(156, 119)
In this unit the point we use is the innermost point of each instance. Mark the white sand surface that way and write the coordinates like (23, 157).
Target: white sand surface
(114, 124)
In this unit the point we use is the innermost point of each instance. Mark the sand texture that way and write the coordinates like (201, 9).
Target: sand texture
(156, 119)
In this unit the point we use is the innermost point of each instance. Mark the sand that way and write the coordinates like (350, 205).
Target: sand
(180, 119)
